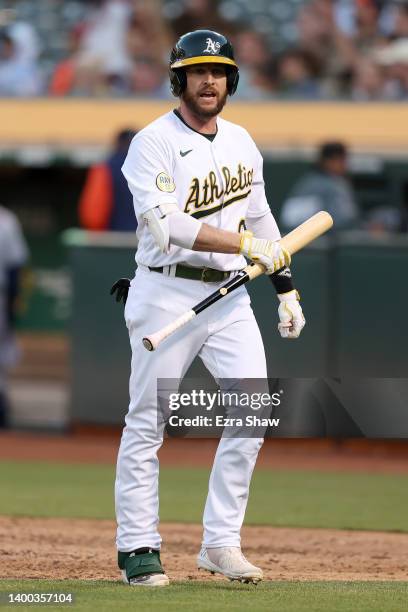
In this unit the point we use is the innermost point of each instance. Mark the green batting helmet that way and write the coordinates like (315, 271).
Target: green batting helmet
(202, 47)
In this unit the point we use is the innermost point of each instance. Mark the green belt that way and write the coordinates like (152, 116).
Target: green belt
(206, 275)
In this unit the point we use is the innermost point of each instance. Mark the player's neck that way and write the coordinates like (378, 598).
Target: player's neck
(204, 125)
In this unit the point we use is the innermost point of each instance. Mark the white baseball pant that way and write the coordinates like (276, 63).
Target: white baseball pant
(227, 338)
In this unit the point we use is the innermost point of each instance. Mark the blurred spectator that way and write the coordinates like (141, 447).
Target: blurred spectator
(315, 28)
(106, 202)
(148, 34)
(196, 14)
(251, 49)
(394, 60)
(13, 255)
(256, 68)
(323, 188)
(296, 73)
(66, 78)
(148, 42)
(369, 82)
(19, 73)
(353, 16)
(149, 79)
(318, 35)
(400, 29)
(103, 60)
(262, 83)
(22, 33)
(365, 35)
(363, 23)
(26, 39)
(111, 51)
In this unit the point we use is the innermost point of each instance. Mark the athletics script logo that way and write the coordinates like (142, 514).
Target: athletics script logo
(212, 47)
(205, 193)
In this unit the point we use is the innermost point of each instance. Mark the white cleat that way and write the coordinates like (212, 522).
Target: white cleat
(230, 562)
(150, 580)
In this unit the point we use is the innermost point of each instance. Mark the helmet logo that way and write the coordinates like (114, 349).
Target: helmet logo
(212, 46)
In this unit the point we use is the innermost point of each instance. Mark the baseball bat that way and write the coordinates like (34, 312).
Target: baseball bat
(302, 235)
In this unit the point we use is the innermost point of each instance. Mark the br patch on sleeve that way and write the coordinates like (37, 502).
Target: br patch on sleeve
(165, 183)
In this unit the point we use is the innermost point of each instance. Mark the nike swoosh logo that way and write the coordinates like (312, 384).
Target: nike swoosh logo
(184, 153)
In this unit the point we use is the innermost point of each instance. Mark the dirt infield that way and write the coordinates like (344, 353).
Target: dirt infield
(84, 549)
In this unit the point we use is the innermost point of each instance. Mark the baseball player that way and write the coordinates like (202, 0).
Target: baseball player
(196, 179)
(13, 255)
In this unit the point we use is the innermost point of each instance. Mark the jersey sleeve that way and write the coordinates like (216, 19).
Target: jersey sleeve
(259, 218)
(148, 170)
(264, 226)
(258, 204)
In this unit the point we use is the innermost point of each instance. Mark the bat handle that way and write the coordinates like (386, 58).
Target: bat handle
(152, 341)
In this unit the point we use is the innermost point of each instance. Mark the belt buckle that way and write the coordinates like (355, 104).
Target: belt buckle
(203, 272)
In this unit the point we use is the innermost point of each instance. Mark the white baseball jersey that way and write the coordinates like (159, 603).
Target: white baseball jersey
(219, 183)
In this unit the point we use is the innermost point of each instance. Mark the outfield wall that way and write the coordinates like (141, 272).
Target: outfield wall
(353, 294)
(372, 126)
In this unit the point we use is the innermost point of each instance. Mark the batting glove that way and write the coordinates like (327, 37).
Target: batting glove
(269, 253)
(121, 288)
(291, 316)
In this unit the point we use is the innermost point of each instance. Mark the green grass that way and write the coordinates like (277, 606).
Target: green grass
(284, 498)
(223, 596)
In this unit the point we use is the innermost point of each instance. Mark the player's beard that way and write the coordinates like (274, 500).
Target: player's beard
(190, 101)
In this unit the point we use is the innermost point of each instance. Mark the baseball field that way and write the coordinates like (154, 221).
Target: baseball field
(329, 527)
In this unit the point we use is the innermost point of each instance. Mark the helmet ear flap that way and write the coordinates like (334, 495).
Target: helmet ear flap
(178, 81)
(232, 81)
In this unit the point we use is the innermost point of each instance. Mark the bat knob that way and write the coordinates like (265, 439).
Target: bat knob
(148, 344)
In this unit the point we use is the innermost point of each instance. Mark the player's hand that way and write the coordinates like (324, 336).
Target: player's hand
(291, 316)
(267, 252)
(121, 288)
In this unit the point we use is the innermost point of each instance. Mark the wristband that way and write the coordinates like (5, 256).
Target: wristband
(282, 280)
